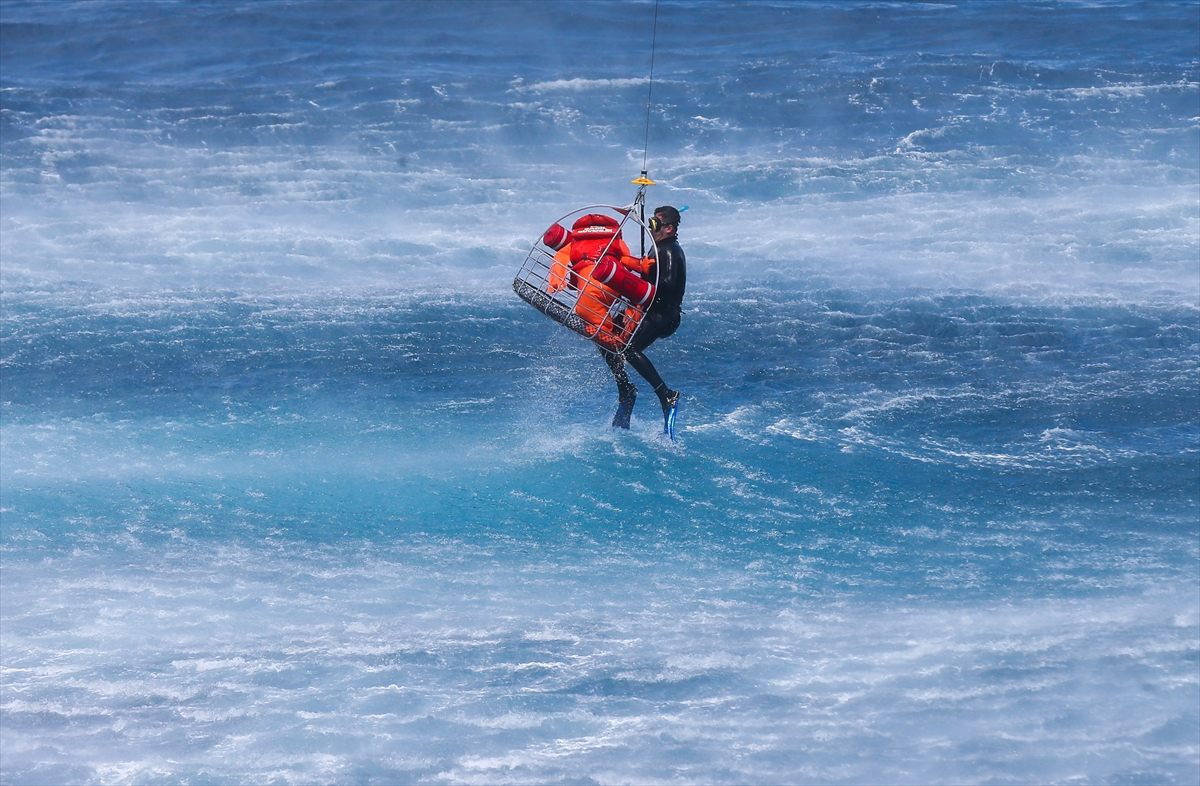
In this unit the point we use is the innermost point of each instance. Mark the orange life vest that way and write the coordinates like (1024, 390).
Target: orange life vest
(594, 259)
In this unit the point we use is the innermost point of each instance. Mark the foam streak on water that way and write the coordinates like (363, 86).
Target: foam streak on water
(293, 488)
(344, 666)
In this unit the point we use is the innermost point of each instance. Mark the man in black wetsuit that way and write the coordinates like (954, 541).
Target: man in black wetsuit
(660, 321)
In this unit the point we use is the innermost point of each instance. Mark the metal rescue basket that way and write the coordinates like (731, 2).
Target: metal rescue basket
(547, 282)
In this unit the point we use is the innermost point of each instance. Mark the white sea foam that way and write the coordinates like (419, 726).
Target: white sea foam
(744, 683)
(579, 83)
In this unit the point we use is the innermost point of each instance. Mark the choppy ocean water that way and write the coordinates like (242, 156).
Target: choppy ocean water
(295, 490)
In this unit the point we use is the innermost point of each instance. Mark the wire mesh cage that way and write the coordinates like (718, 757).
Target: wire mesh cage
(575, 295)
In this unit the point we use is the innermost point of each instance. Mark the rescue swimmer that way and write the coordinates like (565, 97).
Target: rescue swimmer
(594, 259)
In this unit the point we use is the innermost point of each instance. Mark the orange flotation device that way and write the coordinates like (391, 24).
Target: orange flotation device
(594, 259)
(633, 288)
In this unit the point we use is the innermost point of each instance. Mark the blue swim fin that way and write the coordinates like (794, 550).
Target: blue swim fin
(670, 410)
(624, 411)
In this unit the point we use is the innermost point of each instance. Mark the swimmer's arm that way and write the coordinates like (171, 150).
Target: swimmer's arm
(638, 264)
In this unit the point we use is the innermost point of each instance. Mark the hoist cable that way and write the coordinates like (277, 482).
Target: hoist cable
(650, 90)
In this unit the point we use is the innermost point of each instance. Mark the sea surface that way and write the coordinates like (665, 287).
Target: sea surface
(293, 489)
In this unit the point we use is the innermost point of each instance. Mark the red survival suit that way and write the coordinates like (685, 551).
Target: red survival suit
(594, 259)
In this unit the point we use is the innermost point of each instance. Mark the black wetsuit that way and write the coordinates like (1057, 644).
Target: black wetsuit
(660, 321)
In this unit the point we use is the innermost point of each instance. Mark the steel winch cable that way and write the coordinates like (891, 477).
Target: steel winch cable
(650, 90)
(644, 181)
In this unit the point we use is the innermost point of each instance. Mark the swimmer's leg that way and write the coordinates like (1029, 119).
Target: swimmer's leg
(626, 392)
(642, 365)
(667, 397)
